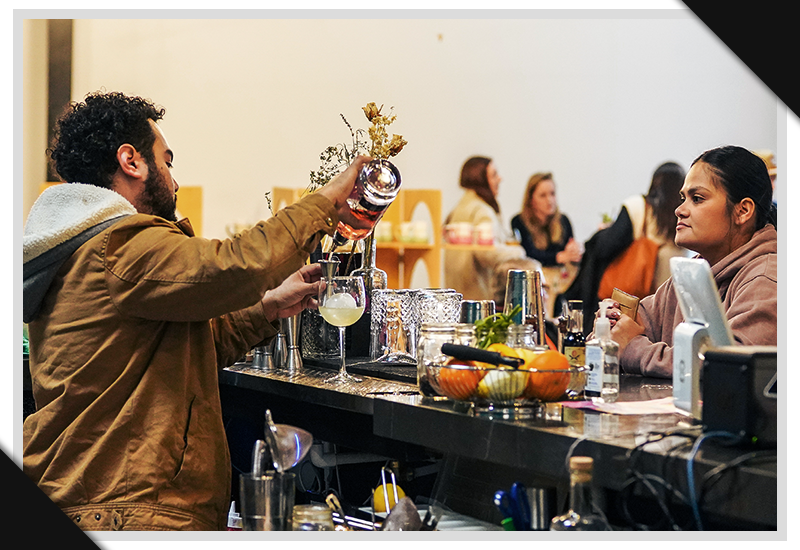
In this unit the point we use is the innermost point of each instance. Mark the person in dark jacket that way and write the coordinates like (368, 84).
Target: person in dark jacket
(651, 215)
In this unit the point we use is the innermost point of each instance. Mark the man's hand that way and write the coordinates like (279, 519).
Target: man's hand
(340, 188)
(296, 293)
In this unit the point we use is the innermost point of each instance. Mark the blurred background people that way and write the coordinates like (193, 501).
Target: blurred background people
(652, 216)
(546, 235)
(471, 270)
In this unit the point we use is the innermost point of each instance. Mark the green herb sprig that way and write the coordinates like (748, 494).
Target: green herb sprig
(494, 329)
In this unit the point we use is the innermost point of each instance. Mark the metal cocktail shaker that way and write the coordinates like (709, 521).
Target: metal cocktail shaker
(524, 288)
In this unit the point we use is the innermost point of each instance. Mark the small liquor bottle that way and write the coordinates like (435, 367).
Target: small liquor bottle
(581, 515)
(574, 347)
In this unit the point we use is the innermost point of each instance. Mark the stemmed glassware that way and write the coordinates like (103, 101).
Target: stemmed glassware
(341, 303)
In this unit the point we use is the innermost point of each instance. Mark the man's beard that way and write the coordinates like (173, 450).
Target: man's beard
(156, 196)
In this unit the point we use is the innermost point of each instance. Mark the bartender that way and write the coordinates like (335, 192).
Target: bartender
(131, 316)
(727, 216)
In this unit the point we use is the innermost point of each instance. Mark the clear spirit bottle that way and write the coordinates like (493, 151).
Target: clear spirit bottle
(581, 515)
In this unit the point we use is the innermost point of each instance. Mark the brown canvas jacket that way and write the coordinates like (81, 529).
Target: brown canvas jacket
(124, 357)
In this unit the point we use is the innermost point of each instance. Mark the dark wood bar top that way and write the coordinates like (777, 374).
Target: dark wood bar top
(536, 441)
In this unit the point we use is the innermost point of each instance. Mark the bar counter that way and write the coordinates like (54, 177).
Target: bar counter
(386, 415)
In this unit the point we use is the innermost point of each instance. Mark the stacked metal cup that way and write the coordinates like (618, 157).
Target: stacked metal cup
(475, 310)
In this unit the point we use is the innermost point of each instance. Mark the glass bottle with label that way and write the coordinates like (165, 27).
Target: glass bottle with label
(376, 187)
(581, 515)
(574, 348)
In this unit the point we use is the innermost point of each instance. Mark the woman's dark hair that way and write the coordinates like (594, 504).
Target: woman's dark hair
(664, 196)
(743, 175)
(473, 176)
(88, 135)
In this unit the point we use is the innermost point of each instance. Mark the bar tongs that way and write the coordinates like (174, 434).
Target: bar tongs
(469, 353)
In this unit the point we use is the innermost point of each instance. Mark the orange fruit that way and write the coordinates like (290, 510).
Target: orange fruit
(380, 502)
(502, 349)
(458, 383)
(543, 385)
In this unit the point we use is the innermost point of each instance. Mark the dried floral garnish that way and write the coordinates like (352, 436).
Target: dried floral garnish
(382, 146)
(336, 158)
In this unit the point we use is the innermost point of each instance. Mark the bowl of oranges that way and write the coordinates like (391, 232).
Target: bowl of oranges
(525, 376)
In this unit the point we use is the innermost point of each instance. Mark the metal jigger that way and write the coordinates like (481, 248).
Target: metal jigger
(262, 358)
(329, 267)
(290, 326)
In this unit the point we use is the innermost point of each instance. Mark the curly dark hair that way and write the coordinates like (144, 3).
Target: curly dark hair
(88, 135)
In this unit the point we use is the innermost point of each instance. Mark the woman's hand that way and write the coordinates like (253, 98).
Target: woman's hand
(613, 313)
(624, 330)
(296, 293)
(572, 253)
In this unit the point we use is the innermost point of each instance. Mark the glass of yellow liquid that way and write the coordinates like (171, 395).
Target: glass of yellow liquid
(341, 303)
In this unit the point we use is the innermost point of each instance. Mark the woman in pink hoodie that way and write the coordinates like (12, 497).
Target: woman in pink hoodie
(726, 216)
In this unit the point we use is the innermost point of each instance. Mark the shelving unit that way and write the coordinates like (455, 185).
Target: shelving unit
(399, 258)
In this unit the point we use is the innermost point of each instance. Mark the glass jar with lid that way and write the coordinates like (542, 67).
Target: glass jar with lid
(522, 336)
(312, 517)
(465, 334)
(429, 352)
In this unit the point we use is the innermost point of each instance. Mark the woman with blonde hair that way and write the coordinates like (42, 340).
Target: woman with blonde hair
(544, 232)
(546, 235)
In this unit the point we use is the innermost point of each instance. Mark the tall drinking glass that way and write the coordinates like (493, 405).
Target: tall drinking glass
(341, 303)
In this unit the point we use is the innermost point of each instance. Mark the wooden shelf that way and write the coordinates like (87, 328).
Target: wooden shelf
(399, 245)
(467, 246)
(398, 258)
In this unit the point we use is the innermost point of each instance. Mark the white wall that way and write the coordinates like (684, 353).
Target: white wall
(600, 102)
